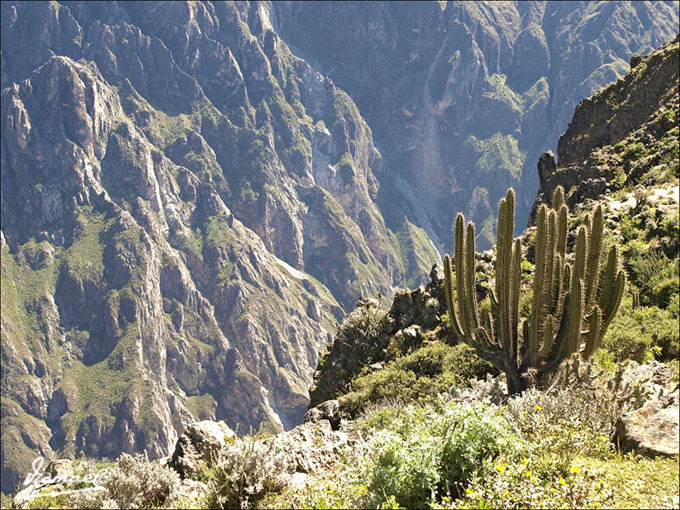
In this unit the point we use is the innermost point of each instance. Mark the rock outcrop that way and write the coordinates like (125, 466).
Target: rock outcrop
(618, 134)
(199, 445)
(653, 429)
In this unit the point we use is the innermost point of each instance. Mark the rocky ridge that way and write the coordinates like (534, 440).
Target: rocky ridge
(624, 135)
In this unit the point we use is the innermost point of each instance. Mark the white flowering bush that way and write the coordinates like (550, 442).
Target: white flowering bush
(247, 470)
(132, 482)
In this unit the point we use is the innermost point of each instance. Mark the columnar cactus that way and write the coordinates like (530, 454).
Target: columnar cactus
(636, 300)
(567, 296)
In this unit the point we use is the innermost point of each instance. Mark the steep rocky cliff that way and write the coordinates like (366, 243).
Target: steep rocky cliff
(625, 135)
(184, 206)
(463, 97)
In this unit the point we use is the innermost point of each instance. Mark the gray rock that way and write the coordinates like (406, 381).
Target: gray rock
(546, 166)
(315, 445)
(651, 430)
(328, 410)
(198, 444)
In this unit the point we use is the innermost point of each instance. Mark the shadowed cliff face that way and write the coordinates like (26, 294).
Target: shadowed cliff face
(463, 97)
(187, 200)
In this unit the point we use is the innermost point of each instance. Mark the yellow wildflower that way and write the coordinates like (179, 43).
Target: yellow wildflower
(574, 470)
(470, 492)
(500, 468)
(528, 473)
(538, 408)
(561, 481)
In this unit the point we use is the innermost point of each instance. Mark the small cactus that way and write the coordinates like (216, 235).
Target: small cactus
(568, 296)
(636, 299)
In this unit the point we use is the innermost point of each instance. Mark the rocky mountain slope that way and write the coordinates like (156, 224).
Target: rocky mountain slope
(463, 97)
(161, 235)
(190, 192)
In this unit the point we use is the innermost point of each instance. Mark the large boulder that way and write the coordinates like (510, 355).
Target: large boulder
(652, 430)
(328, 410)
(199, 443)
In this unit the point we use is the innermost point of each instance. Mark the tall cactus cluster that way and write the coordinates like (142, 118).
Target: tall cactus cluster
(573, 301)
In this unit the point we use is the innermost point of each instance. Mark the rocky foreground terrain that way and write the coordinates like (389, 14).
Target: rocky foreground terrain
(194, 193)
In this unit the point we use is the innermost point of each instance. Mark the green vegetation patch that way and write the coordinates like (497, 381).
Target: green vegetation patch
(498, 154)
(501, 92)
(417, 377)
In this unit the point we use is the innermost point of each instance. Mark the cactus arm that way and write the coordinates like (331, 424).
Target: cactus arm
(448, 291)
(593, 338)
(548, 341)
(562, 231)
(526, 332)
(550, 262)
(614, 303)
(501, 273)
(539, 274)
(575, 315)
(510, 311)
(608, 280)
(593, 260)
(470, 273)
(580, 258)
(460, 272)
(494, 301)
(558, 198)
(560, 348)
(558, 269)
(487, 324)
(515, 281)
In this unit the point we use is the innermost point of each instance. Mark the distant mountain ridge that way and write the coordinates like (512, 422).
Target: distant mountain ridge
(187, 204)
(463, 97)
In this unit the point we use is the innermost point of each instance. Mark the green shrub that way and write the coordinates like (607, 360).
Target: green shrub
(358, 343)
(419, 376)
(634, 151)
(390, 383)
(657, 276)
(637, 333)
(662, 326)
(625, 338)
(428, 361)
(424, 454)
